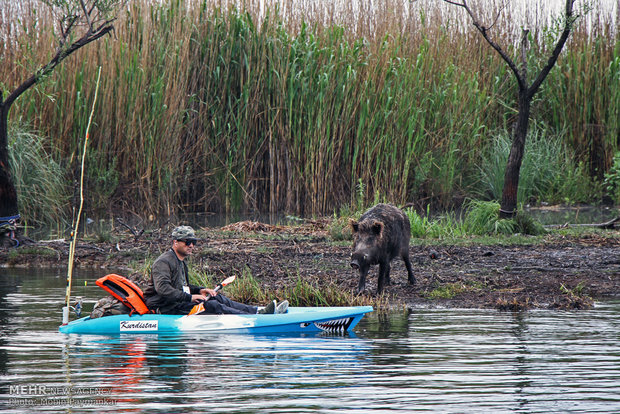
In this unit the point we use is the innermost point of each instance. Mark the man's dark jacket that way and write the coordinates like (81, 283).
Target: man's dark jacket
(164, 291)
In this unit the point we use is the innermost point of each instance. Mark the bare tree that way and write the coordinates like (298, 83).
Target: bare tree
(527, 90)
(79, 22)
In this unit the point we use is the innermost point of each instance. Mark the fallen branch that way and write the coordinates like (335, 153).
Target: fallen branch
(608, 225)
(133, 230)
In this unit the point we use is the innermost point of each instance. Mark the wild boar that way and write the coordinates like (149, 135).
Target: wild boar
(381, 234)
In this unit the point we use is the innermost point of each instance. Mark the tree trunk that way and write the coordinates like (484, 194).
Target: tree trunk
(8, 195)
(508, 207)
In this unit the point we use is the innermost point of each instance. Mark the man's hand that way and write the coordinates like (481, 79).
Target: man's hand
(198, 298)
(207, 292)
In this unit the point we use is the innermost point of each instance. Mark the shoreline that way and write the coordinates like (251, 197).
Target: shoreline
(553, 272)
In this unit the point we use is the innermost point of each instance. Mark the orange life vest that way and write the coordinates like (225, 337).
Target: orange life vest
(124, 290)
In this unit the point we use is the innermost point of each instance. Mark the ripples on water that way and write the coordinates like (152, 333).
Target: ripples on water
(431, 360)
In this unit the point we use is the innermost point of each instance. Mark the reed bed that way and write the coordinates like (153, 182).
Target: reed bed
(229, 106)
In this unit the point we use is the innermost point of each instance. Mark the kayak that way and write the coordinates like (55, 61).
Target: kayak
(296, 320)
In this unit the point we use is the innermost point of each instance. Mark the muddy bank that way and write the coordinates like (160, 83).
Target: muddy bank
(557, 273)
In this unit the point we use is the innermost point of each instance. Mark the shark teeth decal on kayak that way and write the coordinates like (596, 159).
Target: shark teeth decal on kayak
(336, 325)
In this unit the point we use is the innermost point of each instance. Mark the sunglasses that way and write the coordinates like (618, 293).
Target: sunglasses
(189, 242)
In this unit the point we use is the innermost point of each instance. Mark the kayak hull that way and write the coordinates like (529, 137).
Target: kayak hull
(296, 320)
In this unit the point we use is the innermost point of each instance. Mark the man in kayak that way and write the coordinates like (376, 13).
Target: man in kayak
(169, 291)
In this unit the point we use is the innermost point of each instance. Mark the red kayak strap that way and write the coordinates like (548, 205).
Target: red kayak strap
(124, 290)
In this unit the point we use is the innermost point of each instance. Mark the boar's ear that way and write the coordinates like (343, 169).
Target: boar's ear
(355, 226)
(377, 227)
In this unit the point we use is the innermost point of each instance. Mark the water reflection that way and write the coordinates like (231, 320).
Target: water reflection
(230, 369)
(8, 286)
(129, 371)
(573, 215)
(523, 355)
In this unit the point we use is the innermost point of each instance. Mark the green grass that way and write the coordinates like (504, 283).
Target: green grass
(480, 218)
(483, 218)
(446, 226)
(247, 289)
(41, 182)
(447, 291)
(612, 179)
(576, 291)
(451, 290)
(37, 251)
(549, 171)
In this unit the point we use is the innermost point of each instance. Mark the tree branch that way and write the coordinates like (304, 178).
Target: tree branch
(65, 31)
(484, 30)
(87, 16)
(524, 49)
(568, 22)
(60, 55)
(497, 15)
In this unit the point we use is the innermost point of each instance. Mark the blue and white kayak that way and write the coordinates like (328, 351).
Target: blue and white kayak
(296, 320)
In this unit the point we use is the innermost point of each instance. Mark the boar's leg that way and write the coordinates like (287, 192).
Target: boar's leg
(363, 274)
(409, 269)
(384, 275)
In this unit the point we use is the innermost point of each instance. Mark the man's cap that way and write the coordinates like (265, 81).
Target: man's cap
(182, 233)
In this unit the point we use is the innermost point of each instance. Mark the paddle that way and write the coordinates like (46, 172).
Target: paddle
(200, 307)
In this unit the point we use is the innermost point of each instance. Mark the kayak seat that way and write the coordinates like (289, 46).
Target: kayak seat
(126, 291)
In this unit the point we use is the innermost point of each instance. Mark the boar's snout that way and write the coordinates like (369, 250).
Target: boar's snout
(359, 260)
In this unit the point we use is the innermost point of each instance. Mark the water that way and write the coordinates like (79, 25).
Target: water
(435, 360)
(573, 215)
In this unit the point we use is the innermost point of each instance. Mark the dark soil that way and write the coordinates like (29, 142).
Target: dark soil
(559, 273)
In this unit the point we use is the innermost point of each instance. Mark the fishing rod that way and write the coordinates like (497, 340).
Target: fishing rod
(74, 231)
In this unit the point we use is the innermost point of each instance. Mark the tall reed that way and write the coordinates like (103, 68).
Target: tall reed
(38, 179)
(212, 106)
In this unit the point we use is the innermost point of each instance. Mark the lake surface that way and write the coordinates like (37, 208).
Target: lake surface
(436, 360)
